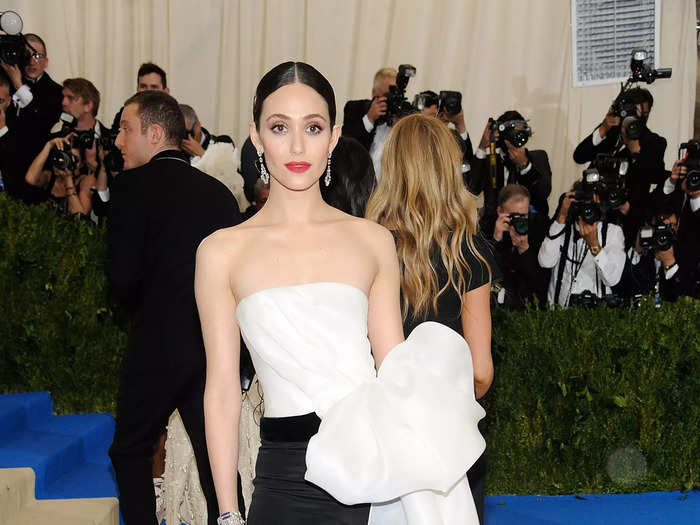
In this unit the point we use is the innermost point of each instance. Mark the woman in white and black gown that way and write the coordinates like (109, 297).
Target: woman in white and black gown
(354, 415)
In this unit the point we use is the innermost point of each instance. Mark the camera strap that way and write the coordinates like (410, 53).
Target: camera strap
(562, 262)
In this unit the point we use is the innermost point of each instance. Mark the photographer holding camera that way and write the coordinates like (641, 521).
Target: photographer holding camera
(502, 158)
(682, 188)
(624, 134)
(67, 164)
(585, 252)
(36, 106)
(366, 120)
(654, 255)
(517, 235)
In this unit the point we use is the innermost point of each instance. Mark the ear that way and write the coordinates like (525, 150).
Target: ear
(335, 136)
(167, 90)
(499, 209)
(156, 134)
(255, 137)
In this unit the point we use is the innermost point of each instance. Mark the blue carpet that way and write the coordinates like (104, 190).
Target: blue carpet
(69, 457)
(672, 508)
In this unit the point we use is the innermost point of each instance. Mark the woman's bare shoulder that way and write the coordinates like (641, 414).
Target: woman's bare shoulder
(226, 242)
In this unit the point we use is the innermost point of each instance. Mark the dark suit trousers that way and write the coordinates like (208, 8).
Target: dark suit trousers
(146, 400)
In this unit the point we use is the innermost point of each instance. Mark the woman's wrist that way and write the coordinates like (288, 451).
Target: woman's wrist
(230, 518)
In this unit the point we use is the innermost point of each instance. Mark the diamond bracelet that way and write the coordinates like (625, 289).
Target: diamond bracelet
(230, 518)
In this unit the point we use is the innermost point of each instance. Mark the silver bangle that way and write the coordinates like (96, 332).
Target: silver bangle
(230, 518)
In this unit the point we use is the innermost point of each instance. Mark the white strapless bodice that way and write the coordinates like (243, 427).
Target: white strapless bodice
(401, 439)
(308, 343)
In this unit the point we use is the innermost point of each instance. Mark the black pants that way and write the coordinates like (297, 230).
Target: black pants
(282, 496)
(143, 409)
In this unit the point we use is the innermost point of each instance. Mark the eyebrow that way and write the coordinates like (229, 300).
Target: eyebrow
(307, 117)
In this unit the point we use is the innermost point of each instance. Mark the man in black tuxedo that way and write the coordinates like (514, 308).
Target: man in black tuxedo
(161, 210)
(37, 107)
(645, 155)
(515, 164)
(7, 139)
(359, 115)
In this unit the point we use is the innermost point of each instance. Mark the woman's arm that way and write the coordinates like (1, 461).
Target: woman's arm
(79, 197)
(36, 174)
(222, 394)
(476, 327)
(384, 325)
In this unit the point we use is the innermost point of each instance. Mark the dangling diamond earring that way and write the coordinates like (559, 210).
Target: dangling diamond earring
(327, 178)
(264, 175)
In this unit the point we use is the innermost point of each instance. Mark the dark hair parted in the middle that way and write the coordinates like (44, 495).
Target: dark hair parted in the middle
(289, 73)
(157, 107)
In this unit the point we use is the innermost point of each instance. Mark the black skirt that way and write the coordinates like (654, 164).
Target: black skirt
(282, 496)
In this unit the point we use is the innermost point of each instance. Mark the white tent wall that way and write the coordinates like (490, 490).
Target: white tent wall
(501, 54)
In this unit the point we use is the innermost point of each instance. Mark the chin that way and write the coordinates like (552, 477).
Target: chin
(298, 183)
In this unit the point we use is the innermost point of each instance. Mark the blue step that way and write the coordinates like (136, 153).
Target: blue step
(19, 410)
(68, 453)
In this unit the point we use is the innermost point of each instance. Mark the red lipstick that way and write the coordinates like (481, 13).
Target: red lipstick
(298, 167)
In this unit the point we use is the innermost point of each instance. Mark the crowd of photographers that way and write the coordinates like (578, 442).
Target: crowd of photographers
(628, 228)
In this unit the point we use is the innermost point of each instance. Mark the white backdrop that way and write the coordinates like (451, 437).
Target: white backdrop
(501, 54)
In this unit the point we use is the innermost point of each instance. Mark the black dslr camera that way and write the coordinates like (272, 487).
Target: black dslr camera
(62, 160)
(584, 205)
(83, 139)
(657, 238)
(397, 105)
(114, 162)
(607, 176)
(517, 132)
(692, 163)
(13, 45)
(624, 106)
(519, 222)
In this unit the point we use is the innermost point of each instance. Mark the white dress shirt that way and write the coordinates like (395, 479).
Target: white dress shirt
(596, 274)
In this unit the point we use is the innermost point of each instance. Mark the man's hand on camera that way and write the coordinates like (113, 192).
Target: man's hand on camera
(521, 242)
(14, 73)
(64, 175)
(192, 146)
(678, 172)
(457, 120)
(501, 226)
(589, 232)
(517, 155)
(486, 136)
(624, 208)
(565, 205)
(609, 122)
(377, 108)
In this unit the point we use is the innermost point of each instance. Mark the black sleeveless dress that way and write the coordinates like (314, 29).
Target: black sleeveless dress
(449, 313)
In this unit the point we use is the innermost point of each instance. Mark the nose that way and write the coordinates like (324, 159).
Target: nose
(297, 142)
(118, 141)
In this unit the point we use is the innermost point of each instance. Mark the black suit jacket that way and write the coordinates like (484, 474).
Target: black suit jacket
(32, 127)
(160, 213)
(353, 126)
(538, 180)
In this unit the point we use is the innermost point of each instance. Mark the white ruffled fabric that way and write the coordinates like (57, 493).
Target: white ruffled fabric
(401, 439)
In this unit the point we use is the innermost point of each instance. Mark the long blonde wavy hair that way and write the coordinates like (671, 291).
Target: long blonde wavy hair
(421, 197)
